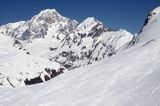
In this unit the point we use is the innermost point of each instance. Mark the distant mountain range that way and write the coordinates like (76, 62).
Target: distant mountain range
(49, 44)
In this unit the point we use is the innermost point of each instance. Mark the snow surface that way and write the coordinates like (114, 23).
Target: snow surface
(16, 65)
(130, 78)
(149, 32)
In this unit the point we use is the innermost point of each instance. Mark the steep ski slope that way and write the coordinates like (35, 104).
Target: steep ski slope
(130, 78)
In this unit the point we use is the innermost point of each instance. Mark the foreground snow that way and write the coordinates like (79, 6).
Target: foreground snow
(130, 78)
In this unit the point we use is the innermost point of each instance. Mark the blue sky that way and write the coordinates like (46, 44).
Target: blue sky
(126, 14)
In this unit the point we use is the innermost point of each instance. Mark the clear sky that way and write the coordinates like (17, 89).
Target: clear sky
(126, 14)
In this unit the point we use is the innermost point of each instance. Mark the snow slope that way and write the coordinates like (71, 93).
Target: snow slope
(18, 68)
(130, 78)
(149, 32)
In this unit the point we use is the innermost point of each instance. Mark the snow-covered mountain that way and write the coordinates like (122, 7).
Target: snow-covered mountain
(40, 25)
(91, 41)
(148, 33)
(130, 78)
(39, 49)
(151, 26)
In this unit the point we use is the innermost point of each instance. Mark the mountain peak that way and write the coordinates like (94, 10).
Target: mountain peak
(90, 19)
(48, 11)
(150, 31)
(152, 16)
(47, 14)
(90, 22)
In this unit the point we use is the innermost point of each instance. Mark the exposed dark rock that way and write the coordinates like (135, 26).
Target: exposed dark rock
(53, 73)
(26, 35)
(148, 18)
(46, 78)
(52, 49)
(33, 81)
(67, 66)
(28, 53)
(84, 47)
(16, 43)
(61, 70)
(58, 38)
(47, 70)
(64, 54)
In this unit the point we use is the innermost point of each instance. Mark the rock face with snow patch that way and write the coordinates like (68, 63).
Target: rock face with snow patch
(149, 31)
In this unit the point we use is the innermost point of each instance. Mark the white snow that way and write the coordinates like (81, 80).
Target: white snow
(87, 25)
(17, 65)
(149, 32)
(130, 78)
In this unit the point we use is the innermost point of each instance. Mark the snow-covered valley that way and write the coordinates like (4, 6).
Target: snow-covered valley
(123, 71)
